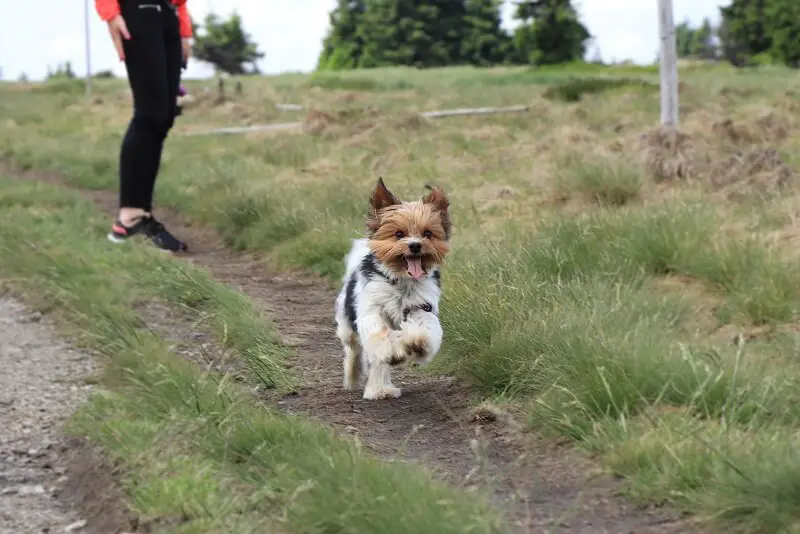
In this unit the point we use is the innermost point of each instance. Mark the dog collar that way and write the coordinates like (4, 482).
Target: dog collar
(422, 307)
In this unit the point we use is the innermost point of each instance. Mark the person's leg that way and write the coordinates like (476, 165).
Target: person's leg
(146, 60)
(145, 63)
(173, 60)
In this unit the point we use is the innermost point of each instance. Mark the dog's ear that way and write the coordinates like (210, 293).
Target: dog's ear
(439, 200)
(382, 197)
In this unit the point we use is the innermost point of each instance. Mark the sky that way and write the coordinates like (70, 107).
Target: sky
(42, 33)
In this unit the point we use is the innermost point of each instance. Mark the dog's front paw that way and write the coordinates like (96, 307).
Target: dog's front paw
(383, 392)
(397, 358)
(418, 348)
(421, 339)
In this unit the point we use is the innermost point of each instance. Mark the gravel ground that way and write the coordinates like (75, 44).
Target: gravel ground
(40, 386)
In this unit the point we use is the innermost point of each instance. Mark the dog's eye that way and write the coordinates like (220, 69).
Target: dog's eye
(399, 235)
(427, 234)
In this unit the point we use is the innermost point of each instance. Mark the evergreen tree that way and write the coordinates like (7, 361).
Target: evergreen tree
(63, 70)
(756, 31)
(484, 40)
(406, 32)
(782, 19)
(695, 42)
(684, 37)
(343, 45)
(448, 25)
(550, 34)
(744, 29)
(701, 45)
(226, 45)
(393, 34)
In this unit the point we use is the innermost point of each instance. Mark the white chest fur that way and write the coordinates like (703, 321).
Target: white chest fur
(394, 299)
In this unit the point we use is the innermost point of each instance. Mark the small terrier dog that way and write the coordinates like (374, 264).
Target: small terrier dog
(387, 312)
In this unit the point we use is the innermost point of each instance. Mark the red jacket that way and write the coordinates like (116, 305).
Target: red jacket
(108, 9)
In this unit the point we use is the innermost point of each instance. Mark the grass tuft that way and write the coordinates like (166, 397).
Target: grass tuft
(610, 183)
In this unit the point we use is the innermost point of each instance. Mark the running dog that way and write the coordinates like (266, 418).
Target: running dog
(387, 312)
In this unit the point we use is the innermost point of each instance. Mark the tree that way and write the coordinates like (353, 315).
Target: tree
(550, 33)
(226, 45)
(745, 32)
(437, 33)
(378, 33)
(702, 45)
(782, 19)
(761, 31)
(62, 71)
(447, 20)
(343, 46)
(407, 32)
(684, 35)
(695, 42)
(393, 34)
(484, 41)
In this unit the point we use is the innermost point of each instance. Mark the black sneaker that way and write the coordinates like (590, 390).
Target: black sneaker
(120, 233)
(161, 237)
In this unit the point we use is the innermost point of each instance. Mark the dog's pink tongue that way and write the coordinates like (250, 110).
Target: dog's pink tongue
(415, 267)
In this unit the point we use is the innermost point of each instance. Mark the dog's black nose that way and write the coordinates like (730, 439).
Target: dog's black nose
(414, 247)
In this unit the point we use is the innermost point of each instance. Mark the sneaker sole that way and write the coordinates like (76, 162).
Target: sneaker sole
(119, 240)
(114, 239)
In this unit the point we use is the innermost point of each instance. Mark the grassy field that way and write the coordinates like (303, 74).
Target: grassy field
(196, 445)
(197, 450)
(633, 290)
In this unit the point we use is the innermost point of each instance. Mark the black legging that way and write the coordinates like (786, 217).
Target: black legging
(153, 59)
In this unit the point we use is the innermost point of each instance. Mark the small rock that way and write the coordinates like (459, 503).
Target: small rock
(77, 525)
(34, 317)
(31, 490)
(350, 429)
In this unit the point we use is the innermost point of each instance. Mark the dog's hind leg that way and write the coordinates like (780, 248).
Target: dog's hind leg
(352, 364)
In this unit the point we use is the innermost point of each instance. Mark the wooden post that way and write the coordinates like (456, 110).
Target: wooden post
(669, 65)
(86, 12)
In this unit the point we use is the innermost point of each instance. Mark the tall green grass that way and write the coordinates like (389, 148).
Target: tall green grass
(195, 445)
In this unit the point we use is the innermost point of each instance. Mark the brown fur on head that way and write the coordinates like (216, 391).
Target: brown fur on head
(404, 233)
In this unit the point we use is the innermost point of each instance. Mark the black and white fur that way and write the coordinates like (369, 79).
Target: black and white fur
(384, 320)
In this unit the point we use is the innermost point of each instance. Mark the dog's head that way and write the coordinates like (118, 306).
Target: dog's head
(409, 238)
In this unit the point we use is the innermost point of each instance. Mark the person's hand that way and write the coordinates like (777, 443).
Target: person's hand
(119, 31)
(187, 49)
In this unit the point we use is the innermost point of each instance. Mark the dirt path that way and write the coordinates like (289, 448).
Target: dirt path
(544, 487)
(40, 386)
